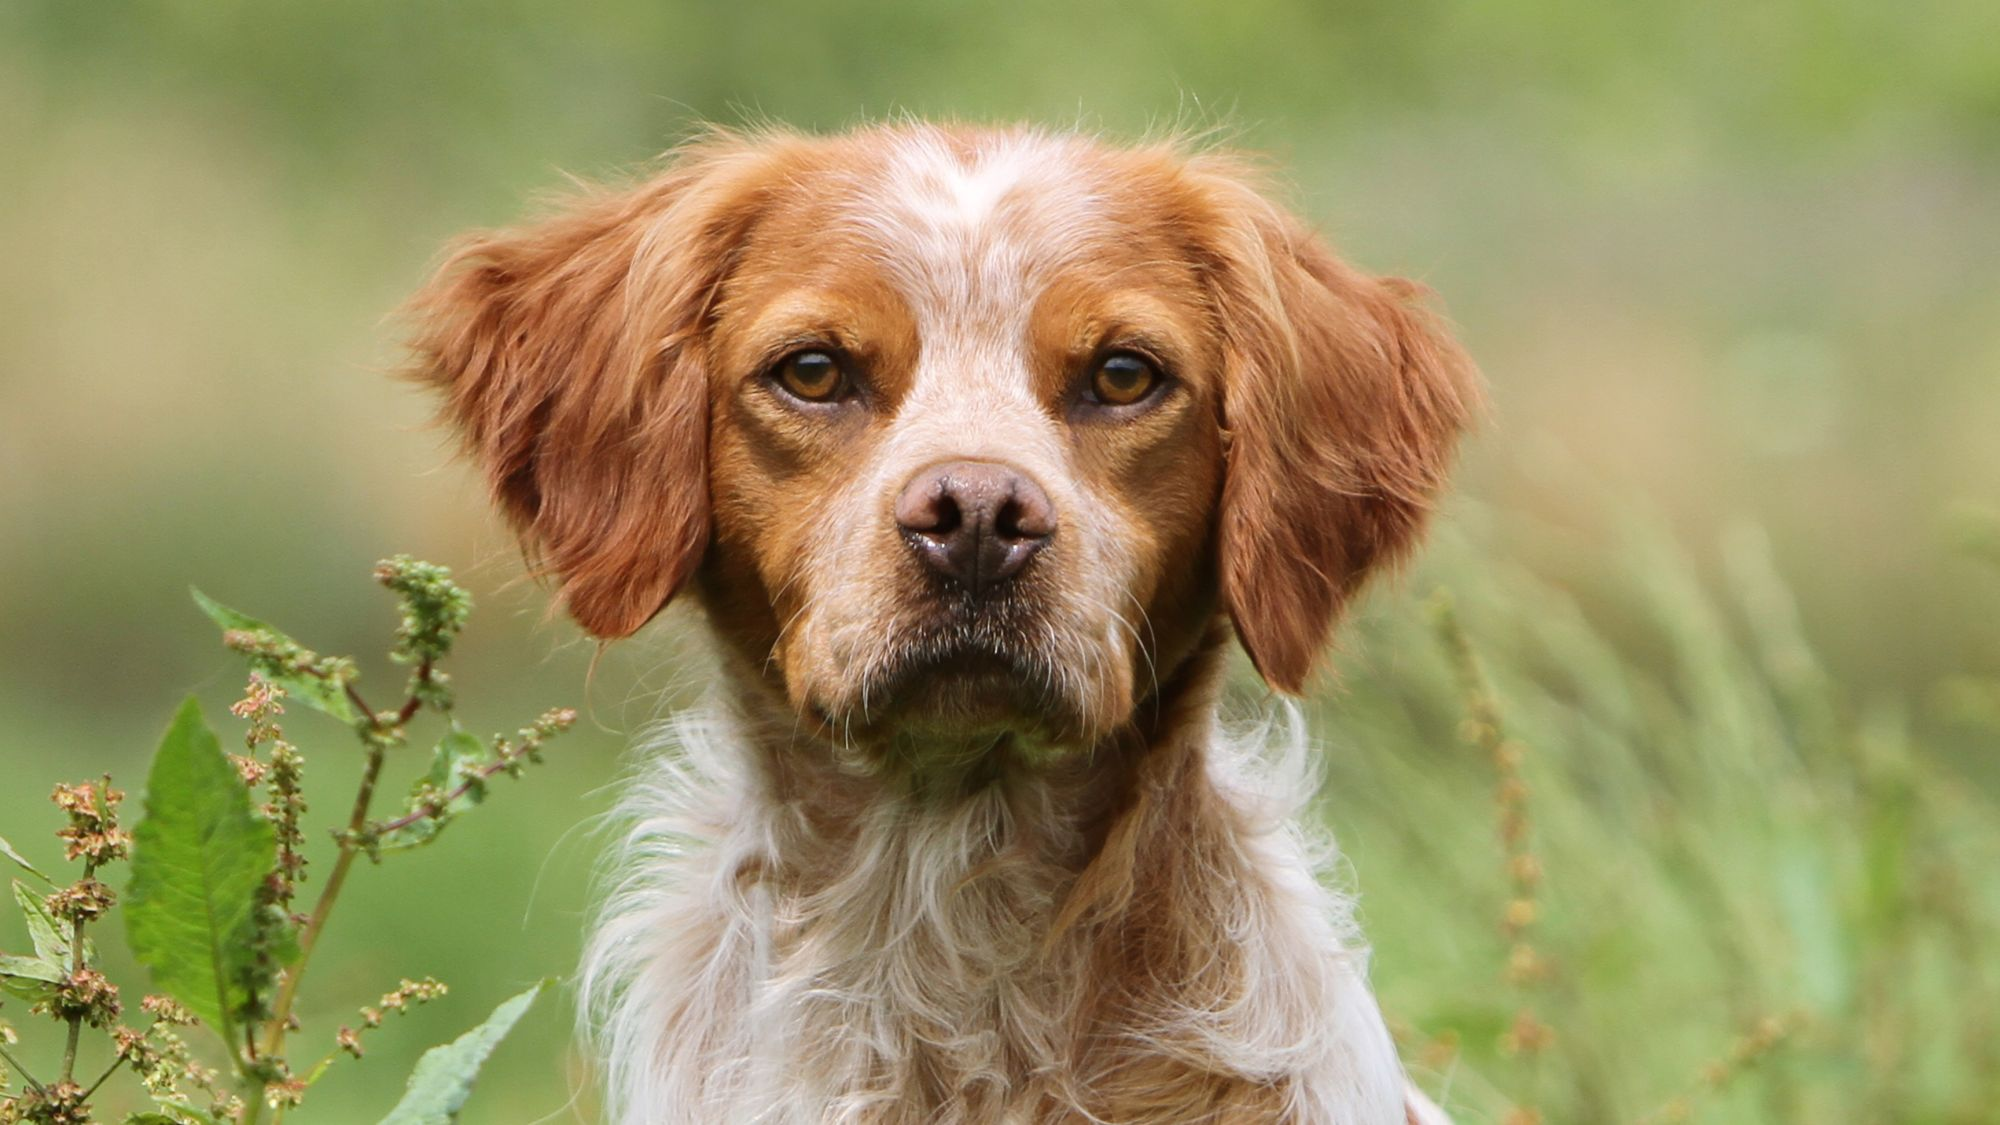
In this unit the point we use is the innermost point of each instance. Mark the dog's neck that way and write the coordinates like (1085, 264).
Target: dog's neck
(1019, 800)
(1133, 933)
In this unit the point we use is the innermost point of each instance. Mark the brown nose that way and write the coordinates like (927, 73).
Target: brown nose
(975, 522)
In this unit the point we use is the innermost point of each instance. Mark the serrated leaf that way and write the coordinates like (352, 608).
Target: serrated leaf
(31, 968)
(21, 861)
(46, 931)
(313, 691)
(198, 858)
(43, 930)
(455, 761)
(29, 978)
(30, 991)
(444, 1076)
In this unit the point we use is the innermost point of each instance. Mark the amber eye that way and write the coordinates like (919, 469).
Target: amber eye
(1123, 379)
(812, 376)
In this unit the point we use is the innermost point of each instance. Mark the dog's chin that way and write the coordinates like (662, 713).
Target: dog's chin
(963, 704)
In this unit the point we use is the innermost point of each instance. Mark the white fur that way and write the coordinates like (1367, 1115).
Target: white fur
(716, 994)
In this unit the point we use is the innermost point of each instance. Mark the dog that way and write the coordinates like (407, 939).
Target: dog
(974, 446)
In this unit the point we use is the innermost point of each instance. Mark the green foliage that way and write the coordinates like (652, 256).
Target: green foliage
(444, 1076)
(199, 857)
(312, 679)
(49, 944)
(34, 978)
(23, 976)
(30, 978)
(215, 873)
(434, 609)
(7, 849)
(453, 784)
(1772, 881)
(461, 768)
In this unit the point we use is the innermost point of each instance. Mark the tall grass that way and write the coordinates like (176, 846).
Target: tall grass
(1762, 898)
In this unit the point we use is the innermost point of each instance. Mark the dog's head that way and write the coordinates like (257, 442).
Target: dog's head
(957, 433)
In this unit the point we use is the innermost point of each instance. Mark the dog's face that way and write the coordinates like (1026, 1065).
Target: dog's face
(959, 434)
(963, 423)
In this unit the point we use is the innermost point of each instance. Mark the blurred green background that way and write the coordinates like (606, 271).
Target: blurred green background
(1733, 271)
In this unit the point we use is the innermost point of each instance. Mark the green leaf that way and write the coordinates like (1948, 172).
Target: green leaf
(324, 694)
(444, 1076)
(7, 850)
(172, 1109)
(174, 1115)
(43, 930)
(456, 761)
(51, 940)
(29, 978)
(31, 968)
(198, 859)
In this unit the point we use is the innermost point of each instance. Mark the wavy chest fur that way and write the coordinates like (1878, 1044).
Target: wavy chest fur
(794, 943)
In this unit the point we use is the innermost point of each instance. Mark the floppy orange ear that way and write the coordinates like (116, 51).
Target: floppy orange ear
(1344, 401)
(570, 356)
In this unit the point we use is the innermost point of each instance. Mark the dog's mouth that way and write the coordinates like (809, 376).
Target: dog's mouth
(966, 685)
(960, 689)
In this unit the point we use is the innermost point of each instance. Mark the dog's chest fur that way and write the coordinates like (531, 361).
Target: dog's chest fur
(794, 945)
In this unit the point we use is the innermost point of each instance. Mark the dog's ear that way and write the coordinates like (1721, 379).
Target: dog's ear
(571, 359)
(1343, 400)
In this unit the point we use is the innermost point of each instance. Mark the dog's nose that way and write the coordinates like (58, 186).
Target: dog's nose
(975, 522)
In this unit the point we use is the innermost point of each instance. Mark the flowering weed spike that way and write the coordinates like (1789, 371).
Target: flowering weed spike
(1743, 1055)
(434, 610)
(406, 995)
(283, 775)
(325, 683)
(221, 870)
(1527, 1036)
(93, 834)
(277, 656)
(460, 769)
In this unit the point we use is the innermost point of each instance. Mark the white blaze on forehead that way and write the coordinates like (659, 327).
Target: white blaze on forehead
(970, 233)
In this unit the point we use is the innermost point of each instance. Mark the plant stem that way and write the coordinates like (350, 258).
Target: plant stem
(484, 773)
(360, 704)
(377, 736)
(102, 1078)
(19, 1069)
(274, 1038)
(75, 967)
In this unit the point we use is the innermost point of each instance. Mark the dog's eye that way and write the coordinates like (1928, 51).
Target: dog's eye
(812, 376)
(1122, 379)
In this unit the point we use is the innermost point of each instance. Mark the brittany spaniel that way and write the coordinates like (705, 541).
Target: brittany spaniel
(974, 447)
